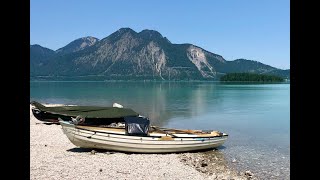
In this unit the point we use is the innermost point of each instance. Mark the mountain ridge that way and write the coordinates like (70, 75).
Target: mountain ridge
(129, 55)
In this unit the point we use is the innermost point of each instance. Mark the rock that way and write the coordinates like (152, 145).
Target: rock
(100, 170)
(93, 152)
(234, 160)
(45, 145)
(204, 164)
(248, 173)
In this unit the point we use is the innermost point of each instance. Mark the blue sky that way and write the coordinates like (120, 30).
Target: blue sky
(250, 29)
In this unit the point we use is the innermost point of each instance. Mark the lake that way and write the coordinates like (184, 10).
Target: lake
(256, 116)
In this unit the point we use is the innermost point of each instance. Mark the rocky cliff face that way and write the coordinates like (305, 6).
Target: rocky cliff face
(198, 58)
(126, 54)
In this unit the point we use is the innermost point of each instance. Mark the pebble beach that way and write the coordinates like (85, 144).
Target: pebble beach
(53, 156)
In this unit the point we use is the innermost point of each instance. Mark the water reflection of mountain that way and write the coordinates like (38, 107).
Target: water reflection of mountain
(164, 101)
(160, 101)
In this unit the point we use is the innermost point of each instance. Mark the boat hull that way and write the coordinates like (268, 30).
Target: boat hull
(148, 144)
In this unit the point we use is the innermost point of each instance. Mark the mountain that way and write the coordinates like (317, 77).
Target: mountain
(128, 55)
(38, 56)
(78, 44)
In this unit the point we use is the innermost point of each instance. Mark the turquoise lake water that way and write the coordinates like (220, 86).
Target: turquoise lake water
(256, 116)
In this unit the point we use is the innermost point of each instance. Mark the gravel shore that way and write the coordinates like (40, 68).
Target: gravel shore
(53, 156)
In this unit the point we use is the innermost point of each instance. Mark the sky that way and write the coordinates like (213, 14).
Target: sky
(249, 29)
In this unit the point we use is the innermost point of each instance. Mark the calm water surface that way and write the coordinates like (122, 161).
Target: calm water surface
(256, 116)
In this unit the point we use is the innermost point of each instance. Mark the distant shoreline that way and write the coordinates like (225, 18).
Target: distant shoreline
(251, 77)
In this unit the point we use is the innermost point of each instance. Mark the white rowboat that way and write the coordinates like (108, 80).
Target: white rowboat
(158, 140)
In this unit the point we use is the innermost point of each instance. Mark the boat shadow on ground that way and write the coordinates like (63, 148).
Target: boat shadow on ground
(92, 150)
(48, 123)
(208, 161)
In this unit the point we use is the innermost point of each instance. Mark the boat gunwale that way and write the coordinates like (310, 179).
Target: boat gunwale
(148, 136)
(197, 142)
(151, 139)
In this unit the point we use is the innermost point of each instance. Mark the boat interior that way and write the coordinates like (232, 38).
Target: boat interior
(152, 130)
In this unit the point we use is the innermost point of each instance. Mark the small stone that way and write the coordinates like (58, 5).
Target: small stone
(93, 152)
(100, 170)
(204, 164)
(234, 160)
(248, 173)
(45, 145)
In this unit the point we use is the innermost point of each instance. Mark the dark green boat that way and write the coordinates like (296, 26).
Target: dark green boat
(92, 115)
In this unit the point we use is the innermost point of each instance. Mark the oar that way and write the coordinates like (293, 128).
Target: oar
(180, 130)
(156, 128)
